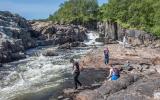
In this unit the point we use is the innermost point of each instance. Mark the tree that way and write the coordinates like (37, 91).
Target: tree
(76, 11)
(140, 14)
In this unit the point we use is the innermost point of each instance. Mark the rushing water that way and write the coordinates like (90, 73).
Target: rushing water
(38, 77)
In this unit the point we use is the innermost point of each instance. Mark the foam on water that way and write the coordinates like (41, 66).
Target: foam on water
(37, 73)
(31, 77)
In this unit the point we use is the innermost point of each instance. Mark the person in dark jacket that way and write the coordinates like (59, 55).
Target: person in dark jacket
(76, 73)
(106, 55)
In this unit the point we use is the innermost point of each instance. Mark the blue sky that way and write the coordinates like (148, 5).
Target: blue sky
(33, 9)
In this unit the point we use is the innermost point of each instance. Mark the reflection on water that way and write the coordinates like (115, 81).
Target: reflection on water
(38, 77)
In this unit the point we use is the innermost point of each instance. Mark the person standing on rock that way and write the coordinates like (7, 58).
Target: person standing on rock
(106, 55)
(76, 73)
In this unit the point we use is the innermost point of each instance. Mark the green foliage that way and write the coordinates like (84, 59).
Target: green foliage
(76, 11)
(133, 14)
(139, 14)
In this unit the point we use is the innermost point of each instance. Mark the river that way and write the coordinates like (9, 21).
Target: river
(39, 77)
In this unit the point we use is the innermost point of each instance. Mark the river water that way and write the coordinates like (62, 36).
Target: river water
(38, 77)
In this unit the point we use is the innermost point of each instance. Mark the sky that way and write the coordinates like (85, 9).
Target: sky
(33, 9)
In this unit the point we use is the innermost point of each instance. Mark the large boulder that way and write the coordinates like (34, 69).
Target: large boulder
(65, 46)
(78, 44)
(73, 44)
(141, 90)
(49, 53)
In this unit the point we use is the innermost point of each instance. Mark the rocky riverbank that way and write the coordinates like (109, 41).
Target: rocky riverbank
(140, 83)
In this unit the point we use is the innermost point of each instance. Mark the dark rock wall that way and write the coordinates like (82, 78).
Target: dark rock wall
(113, 31)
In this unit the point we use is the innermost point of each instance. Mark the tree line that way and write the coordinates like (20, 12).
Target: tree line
(132, 14)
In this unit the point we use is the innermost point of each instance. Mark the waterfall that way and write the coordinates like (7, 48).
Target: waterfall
(92, 36)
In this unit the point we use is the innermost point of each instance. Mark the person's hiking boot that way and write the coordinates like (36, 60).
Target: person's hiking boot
(75, 88)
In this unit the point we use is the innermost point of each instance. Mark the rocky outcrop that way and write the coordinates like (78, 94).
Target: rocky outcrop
(49, 52)
(70, 45)
(14, 37)
(113, 31)
(58, 34)
(142, 82)
(130, 87)
(107, 88)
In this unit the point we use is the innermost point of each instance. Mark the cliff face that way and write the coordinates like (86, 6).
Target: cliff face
(14, 37)
(113, 31)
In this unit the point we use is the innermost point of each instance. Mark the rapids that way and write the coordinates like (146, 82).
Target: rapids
(38, 77)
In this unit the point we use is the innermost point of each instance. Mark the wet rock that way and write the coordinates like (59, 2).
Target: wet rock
(78, 44)
(45, 42)
(100, 39)
(49, 53)
(65, 46)
(17, 56)
(69, 45)
(60, 97)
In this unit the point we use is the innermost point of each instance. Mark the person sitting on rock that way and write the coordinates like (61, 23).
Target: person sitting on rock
(76, 72)
(106, 55)
(114, 73)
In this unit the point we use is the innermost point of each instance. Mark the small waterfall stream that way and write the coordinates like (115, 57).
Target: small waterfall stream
(38, 77)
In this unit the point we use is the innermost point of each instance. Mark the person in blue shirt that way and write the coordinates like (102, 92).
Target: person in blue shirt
(114, 73)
